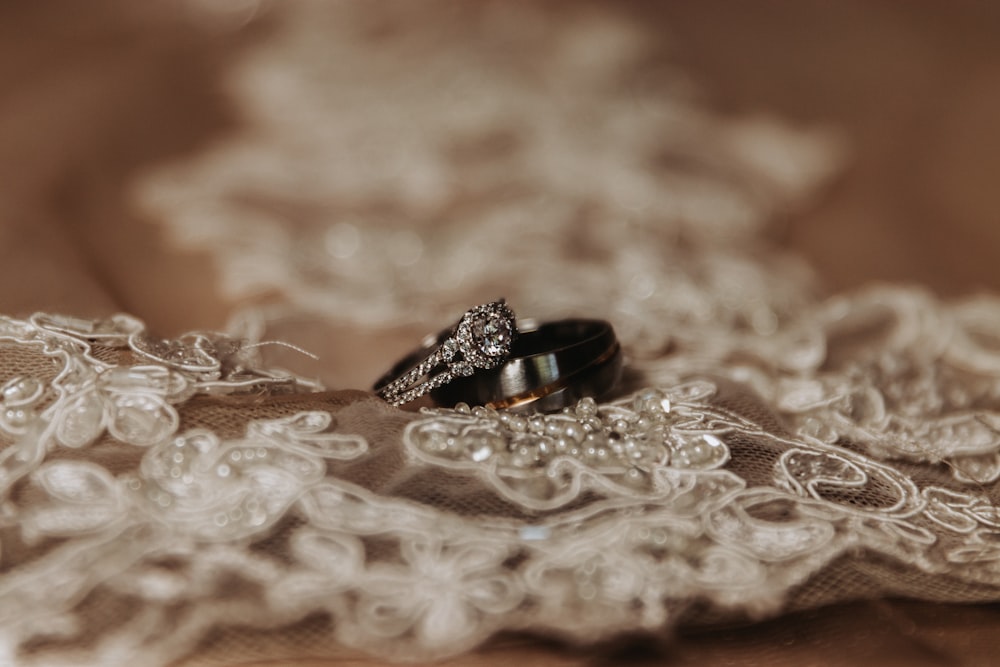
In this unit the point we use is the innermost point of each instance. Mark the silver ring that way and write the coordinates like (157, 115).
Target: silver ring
(481, 340)
(551, 365)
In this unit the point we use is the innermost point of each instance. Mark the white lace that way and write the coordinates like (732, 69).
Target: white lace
(774, 450)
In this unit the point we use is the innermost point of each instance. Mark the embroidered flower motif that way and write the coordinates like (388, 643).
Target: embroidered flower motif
(132, 403)
(217, 490)
(330, 563)
(191, 353)
(20, 400)
(587, 567)
(960, 512)
(82, 498)
(441, 593)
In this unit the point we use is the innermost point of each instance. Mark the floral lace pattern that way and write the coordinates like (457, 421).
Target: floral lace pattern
(772, 450)
(600, 519)
(646, 210)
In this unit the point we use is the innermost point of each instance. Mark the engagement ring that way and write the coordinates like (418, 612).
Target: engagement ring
(481, 340)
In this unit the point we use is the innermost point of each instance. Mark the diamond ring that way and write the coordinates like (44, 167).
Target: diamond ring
(551, 365)
(480, 341)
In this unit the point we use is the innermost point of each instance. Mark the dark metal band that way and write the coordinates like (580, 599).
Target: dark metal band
(551, 365)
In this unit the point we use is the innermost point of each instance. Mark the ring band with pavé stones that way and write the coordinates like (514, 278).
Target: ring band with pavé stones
(481, 340)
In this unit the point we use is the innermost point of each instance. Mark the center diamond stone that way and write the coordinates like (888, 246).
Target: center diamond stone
(492, 334)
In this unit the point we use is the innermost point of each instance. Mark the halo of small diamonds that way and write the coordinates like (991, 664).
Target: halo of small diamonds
(485, 334)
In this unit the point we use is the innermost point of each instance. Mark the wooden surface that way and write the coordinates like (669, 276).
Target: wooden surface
(91, 92)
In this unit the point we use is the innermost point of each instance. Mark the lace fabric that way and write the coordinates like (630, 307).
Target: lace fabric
(142, 476)
(605, 189)
(772, 449)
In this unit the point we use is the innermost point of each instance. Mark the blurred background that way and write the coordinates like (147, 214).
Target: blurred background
(92, 93)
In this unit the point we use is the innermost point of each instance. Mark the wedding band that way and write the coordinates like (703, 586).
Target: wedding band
(551, 365)
(481, 340)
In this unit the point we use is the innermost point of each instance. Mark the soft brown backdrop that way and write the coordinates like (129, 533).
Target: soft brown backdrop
(92, 92)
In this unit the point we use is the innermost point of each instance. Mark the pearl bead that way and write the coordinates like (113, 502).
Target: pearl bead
(587, 407)
(573, 431)
(480, 452)
(523, 456)
(696, 453)
(631, 438)
(17, 417)
(20, 390)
